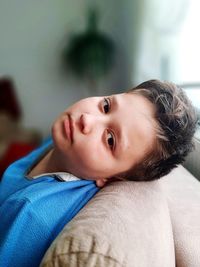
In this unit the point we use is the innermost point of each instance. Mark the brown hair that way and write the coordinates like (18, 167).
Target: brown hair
(176, 121)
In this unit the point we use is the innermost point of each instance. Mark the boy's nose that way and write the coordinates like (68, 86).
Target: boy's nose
(86, 123)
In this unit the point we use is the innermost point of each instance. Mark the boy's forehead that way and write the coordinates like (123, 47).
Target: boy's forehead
(135, 100)
(135, 113)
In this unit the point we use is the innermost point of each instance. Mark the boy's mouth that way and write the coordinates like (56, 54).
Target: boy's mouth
(69, 127)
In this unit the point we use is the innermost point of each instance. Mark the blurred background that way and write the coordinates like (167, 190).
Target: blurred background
(53, 53)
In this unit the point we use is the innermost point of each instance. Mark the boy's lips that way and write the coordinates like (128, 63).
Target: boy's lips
(69, 127)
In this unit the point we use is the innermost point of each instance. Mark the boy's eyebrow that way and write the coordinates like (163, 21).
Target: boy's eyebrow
(122, 140)
(114, 102)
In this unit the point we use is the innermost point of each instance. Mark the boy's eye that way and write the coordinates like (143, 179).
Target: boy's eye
(110, 140)
(106, 105)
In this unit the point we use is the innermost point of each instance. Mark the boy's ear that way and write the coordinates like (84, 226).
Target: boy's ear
(100, 182)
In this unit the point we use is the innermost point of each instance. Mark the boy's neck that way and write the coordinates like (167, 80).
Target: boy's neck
(45, 165)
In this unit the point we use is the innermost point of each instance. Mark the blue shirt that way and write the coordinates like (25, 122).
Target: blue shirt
(34, 211)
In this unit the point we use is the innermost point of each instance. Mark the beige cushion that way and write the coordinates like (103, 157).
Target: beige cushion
(183, 195)
(126, 224)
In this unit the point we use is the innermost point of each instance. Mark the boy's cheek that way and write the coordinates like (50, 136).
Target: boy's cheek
(90, 154)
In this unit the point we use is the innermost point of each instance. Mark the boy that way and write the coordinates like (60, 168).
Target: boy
(138, 135)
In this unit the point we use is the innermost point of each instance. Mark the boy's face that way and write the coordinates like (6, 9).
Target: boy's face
(109, 135)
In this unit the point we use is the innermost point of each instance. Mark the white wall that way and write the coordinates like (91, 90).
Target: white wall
(32, 35)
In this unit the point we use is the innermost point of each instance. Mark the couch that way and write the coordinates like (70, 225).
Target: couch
(134, 224)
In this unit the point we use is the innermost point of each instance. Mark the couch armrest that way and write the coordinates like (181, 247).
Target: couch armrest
(182, 192)
(125, 224)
